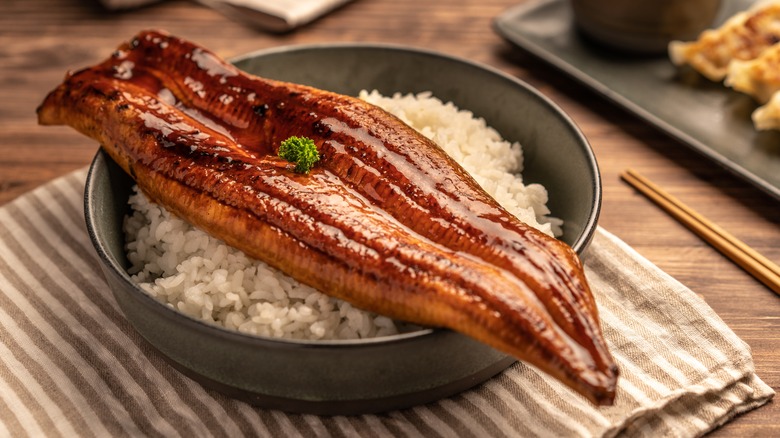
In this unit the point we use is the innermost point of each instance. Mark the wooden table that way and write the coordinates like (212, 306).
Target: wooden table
(41, 39)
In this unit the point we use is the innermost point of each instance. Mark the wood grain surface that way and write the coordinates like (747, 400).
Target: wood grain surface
(42, 39)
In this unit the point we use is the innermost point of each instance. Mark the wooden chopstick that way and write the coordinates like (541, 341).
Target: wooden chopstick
(763, 269)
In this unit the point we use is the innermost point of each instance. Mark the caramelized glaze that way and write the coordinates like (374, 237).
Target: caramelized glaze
(385, 220)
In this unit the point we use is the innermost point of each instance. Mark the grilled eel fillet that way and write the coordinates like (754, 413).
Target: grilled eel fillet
(386, 220)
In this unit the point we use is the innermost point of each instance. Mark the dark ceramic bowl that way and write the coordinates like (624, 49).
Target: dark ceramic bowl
(357, 376)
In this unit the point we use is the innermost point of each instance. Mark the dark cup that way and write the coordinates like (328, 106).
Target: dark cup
(643, 26)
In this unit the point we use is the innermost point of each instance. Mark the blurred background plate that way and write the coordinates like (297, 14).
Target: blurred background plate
(703, 115)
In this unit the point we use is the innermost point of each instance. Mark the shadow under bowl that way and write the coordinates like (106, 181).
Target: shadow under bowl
(368, 375)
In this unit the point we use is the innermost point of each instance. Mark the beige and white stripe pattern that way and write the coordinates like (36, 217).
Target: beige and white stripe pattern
(71, 365)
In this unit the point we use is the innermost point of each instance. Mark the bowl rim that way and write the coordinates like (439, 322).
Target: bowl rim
(579, 245)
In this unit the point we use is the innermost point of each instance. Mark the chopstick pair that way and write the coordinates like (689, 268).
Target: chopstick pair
(763, 269)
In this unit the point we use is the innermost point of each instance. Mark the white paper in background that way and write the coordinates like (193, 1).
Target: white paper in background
(275, 15)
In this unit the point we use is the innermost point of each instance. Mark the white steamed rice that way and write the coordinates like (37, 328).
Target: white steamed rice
(202, 277)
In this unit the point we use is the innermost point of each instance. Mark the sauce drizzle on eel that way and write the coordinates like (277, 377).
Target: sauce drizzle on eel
(385, 220)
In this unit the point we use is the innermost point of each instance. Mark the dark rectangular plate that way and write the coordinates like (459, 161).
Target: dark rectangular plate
(706, 116)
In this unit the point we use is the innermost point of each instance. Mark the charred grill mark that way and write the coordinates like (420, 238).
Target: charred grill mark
(260, 110)
(321, 129)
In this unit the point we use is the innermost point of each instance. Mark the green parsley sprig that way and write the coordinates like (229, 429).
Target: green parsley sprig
(299, 150)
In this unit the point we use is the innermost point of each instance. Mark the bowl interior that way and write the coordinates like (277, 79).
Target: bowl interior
(351, 377)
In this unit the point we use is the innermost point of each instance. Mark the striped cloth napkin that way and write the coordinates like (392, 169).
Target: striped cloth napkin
(71, 365)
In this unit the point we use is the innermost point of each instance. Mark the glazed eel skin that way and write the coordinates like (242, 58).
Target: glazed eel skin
(385, 220)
